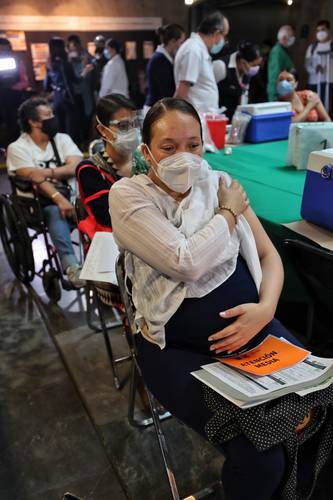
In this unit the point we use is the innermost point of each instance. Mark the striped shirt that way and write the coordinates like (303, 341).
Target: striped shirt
(175, 250)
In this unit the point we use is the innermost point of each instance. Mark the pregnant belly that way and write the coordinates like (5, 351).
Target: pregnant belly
(196, 319)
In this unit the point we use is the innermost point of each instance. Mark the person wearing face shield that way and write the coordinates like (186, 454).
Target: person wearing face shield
(280, 59)
(306, 104)
(206, 281)
(242, 66)
(319, 63)
(194, 69)
(119, 128)
(48, 159)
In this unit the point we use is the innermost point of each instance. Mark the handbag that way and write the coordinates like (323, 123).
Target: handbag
(305, 138)
(60, 186)
(317, 206)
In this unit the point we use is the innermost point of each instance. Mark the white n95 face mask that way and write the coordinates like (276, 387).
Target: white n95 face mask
(180, 171)
(127, 142)
(321, 35)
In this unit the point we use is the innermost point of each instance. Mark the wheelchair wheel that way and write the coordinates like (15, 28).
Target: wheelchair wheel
(16, 241)
(51, 285)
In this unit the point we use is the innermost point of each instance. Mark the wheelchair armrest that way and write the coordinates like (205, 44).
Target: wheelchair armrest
(21, 182)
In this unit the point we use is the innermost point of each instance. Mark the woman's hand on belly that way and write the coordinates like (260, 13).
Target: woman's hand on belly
(251, 319)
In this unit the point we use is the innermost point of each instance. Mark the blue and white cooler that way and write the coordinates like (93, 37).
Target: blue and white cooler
(270, 121)
(317, 202)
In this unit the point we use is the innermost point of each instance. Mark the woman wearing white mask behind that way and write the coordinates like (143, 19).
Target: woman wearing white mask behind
(119, 126)
(319, 63)
(206, 279)
(114, 77)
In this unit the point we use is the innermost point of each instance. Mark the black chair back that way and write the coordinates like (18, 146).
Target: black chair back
(314, 265)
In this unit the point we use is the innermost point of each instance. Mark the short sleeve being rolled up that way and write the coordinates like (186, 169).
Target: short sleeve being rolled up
(188, 65)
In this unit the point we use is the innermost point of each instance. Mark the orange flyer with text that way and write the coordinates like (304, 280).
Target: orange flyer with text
(272, 355)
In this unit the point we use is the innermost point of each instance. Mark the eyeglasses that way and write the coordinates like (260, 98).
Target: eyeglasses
(125, 125)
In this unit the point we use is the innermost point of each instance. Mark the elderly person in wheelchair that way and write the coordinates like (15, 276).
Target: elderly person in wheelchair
(47, 159)
(205, 279)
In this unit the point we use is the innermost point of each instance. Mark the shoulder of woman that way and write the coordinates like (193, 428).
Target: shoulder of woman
(129, 185)
(224, 175)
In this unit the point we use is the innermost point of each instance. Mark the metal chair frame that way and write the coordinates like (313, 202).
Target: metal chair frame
(136, 377)
(22, 221)
(94, 305)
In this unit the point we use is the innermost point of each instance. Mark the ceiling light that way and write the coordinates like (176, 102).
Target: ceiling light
(188, 2)
(290, 2)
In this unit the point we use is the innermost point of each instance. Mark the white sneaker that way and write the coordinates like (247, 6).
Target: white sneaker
(73, 273)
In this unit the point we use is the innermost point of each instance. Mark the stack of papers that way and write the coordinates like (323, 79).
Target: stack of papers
(271, 370)
(100, 262)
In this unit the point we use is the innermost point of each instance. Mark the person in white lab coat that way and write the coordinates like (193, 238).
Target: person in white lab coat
(319, 64)
(114, 76)
(195, 74)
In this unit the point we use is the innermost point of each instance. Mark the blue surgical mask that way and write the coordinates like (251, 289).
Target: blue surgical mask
(217, 47)
(291, 41)
(107, 54)
(285, 88)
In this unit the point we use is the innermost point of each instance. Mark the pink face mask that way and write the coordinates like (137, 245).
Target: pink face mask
(252, 71)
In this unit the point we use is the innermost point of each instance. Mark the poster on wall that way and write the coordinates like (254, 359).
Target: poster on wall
(39, 54)
(16, 38)
(130, 50)
(91, 47)
(148, 49)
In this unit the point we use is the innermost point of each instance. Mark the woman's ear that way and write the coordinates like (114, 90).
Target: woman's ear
(146, 155)
(100, 129)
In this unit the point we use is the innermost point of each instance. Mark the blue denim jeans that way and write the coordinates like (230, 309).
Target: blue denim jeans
(61, 236)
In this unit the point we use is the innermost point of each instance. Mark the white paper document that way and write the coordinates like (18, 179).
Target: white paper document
(101, 259)
(246, 390)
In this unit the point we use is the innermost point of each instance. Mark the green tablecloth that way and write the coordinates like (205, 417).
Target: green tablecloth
(275, 192)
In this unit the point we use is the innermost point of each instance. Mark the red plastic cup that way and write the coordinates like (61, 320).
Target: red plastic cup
(217, 126)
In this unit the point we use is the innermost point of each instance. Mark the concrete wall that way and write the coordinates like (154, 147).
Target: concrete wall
(169, 10)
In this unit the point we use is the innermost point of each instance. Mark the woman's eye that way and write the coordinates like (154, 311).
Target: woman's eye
(167, 149)
(194, 146)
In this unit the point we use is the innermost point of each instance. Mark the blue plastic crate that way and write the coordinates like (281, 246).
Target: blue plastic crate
(263, 128)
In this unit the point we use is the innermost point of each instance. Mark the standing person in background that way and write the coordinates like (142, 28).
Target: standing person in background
(194, 72)
(13, 84)
(60, 78)
(258, 87)
(114, 76)
(319, 63)
(241, 67)
(280, 59)
(161, 82)
(83, 88)
(99, 60)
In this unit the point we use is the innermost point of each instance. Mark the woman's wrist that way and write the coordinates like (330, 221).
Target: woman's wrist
(222, 209)
(268, 307)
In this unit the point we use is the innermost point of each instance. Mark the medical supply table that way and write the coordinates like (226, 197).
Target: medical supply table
(275, 193)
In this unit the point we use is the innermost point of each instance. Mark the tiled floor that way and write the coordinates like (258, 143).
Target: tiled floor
(63, 425)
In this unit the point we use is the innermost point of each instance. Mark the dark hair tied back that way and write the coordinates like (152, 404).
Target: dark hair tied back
(248, 51)
(160, 108)
(170, 32)
(108, 105)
